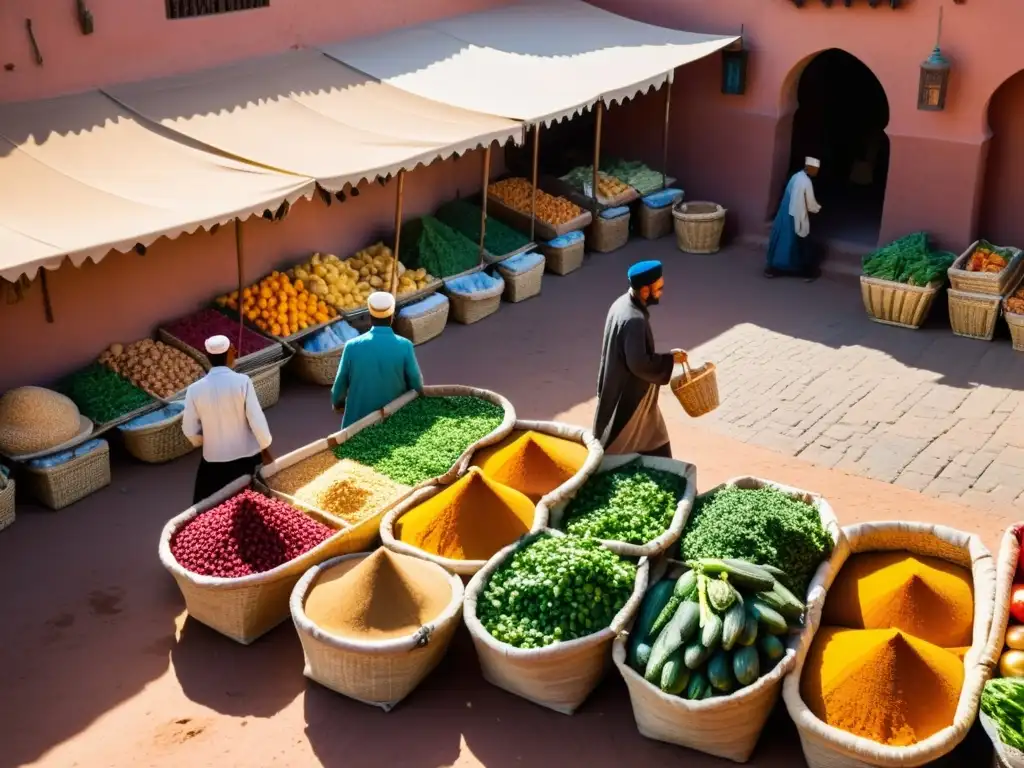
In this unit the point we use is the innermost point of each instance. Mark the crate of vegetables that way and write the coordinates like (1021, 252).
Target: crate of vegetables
(985, 269)
(237, 555)
(511, 201)
(190, 333)
(901, 280)
(500, 240)
(578, 185)
(544, 612)
(891, 666)
(105, 397)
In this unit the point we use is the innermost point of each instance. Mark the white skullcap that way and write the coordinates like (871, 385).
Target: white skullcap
(218, 345)
(381, 304)
(812, 162)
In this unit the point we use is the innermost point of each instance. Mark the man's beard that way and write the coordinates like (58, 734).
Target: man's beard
(653, 301)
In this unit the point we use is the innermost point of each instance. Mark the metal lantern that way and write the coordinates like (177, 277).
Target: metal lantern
(734, 69)
(931, 93)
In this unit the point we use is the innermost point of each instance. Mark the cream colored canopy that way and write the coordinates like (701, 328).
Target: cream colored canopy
(535, 61)
(80, 175)
(306, 113)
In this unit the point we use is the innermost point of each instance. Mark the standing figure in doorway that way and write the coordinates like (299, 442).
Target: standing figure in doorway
(632, 373)
(790, 253)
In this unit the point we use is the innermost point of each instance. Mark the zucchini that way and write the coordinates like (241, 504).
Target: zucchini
(697, 687)
(695, 653)
(744, 575)
(720, 672)
(720, 595)
(734, 621)
(711, 633)
(656, 599)
(749, 634)
(708, 693)
(778, 573)
(746, 665)
(768, 617)
(674, 675)
(772, 648)
(783, 601)
(685, 587)
(679, 630)
(643, 655)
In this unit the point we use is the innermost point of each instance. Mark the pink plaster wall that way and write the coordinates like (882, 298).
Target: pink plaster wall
(1001, 220)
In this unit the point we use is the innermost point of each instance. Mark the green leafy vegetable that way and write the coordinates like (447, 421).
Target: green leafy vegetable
(909, 260)
(636, 174)
(436, 247)
(464, 218)
(102, 395)
(555, 589)
(1002, 699)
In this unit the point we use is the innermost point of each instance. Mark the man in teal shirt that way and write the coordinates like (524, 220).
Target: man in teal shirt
(375, 368)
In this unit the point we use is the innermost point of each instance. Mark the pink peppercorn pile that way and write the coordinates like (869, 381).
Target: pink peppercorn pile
(249, 533)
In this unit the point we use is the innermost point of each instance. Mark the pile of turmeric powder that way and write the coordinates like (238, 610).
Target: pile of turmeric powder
(471, 519)
(532, 463)
(887, 664)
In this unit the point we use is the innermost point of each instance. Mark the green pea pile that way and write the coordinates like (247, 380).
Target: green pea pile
(634, 504)
(424, 439)
(102, 395)
(464, 217)
(555, 589)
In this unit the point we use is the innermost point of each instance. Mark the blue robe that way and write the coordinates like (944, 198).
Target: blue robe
(375, 369)
(787, 252)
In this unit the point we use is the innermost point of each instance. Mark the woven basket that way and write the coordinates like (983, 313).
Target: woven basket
(891, 303)
(381, 672)
(562, 261)
(698, 226)
(246, 608)
(7, 495)
(986, 283)
(654, 223)
(1003, 755)
(696, 391)
(423, 328)
(520, 286)
(560, 676)
(468, 309)
(550, 511)
(158, 443)
(607, 235)
(318, 368)
(62, 485)
(827, 747)
(267, 383)
(973, 315)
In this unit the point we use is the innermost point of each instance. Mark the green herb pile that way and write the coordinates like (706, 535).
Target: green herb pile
(909, 260)
(555, 589)
(763, 526)
(464, 217)
(641, 178)
(101, 395)
(1002, 699)
(437, 248)
(423, 439)
(634, 504)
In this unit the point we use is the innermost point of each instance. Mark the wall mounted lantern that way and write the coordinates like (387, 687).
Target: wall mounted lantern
(734, 68)
(931, 91)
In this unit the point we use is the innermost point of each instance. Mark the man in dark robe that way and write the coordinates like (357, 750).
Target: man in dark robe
(628, 419)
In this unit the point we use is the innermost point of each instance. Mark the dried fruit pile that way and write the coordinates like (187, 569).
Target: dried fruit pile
(152, 366)
(517, 194)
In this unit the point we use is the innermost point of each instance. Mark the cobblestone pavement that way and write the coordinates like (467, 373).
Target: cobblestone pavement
(860, 410)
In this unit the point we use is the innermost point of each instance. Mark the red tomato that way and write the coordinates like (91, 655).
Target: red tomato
(1017, 602)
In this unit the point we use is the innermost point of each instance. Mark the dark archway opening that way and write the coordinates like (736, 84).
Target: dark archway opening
(1003, 196)
(841, 117)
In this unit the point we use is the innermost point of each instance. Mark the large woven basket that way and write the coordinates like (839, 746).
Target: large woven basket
(62, 485)
(7, 505)
(246, 608)
(471, 308)
(607, 235)
(986, 283)
(421, 328)
(698, 226)
(973, 315)
(267, 383)
(891, 303)
(318, 368)
(827, 747)
(376, 672)
(1013, 320)
(560, 676)
(158, 443)
(552, 510)
(562, 261)
(653, 223)
(697, 391)
(520, 286)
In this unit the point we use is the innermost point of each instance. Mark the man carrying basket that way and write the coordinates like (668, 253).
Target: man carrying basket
(628, 419)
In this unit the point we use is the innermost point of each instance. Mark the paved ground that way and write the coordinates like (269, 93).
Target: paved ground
(100, 667)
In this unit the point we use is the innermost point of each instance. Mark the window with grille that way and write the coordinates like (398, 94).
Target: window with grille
(187, 9)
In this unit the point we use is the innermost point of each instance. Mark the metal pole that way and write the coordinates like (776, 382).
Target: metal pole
(241, 283)
(533, 196)
(664, 139)
(484, 181)
(399, 195)
(597, 150)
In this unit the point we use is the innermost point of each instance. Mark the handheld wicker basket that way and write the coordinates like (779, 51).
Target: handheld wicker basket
(697, 391)
(698, 226)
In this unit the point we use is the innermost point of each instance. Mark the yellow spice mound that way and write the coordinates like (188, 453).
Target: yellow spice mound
(532, 463)
(881, 684)
(926, 597)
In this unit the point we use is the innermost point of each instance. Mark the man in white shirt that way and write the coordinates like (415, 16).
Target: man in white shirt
(789, 250)
(223, 415)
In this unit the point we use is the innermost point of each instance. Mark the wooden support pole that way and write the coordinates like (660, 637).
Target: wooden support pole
(664, 135)
(485, 180)
(598, 120)
(399, 196)
(47, 305)
(241, 283)
(533, 196)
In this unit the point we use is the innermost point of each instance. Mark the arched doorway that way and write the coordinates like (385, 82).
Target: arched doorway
(1003, 198)
(841, 115)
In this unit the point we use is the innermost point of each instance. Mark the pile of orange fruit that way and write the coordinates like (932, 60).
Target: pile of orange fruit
(279, 305)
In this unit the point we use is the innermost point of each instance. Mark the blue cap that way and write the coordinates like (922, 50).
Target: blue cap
(644, 273)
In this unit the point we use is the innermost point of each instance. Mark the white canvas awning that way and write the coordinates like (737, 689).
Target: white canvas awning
(535, 61)
(306, 113)
(80, 175)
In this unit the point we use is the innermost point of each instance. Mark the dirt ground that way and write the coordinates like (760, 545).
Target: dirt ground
(99, 665)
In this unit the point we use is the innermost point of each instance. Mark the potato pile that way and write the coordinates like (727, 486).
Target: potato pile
(280, 306)
(152, 366)
(346, 284)
(516, 193)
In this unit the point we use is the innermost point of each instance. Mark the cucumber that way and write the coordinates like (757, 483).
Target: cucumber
(746, 665)
(733, 622)
(695, 653)
(655, 600)
(685, 587)
(674, 675)
(720, 672)
(708, 692)
(772, 648)
(749, 634)
(643, 655)
(720, 595)
(679, 630)
(778, 573)
(768, 617)
(744, 575)
(783, 601)
(697, 687)
(711, 633)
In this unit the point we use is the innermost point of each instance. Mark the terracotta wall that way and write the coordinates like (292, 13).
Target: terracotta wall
(1001, 219)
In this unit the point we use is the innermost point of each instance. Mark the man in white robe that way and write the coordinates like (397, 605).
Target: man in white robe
(789, 251)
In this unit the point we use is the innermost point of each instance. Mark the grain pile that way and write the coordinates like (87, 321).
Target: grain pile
(343, 488)
(383, 596)
(532, 463)
(34, 419)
